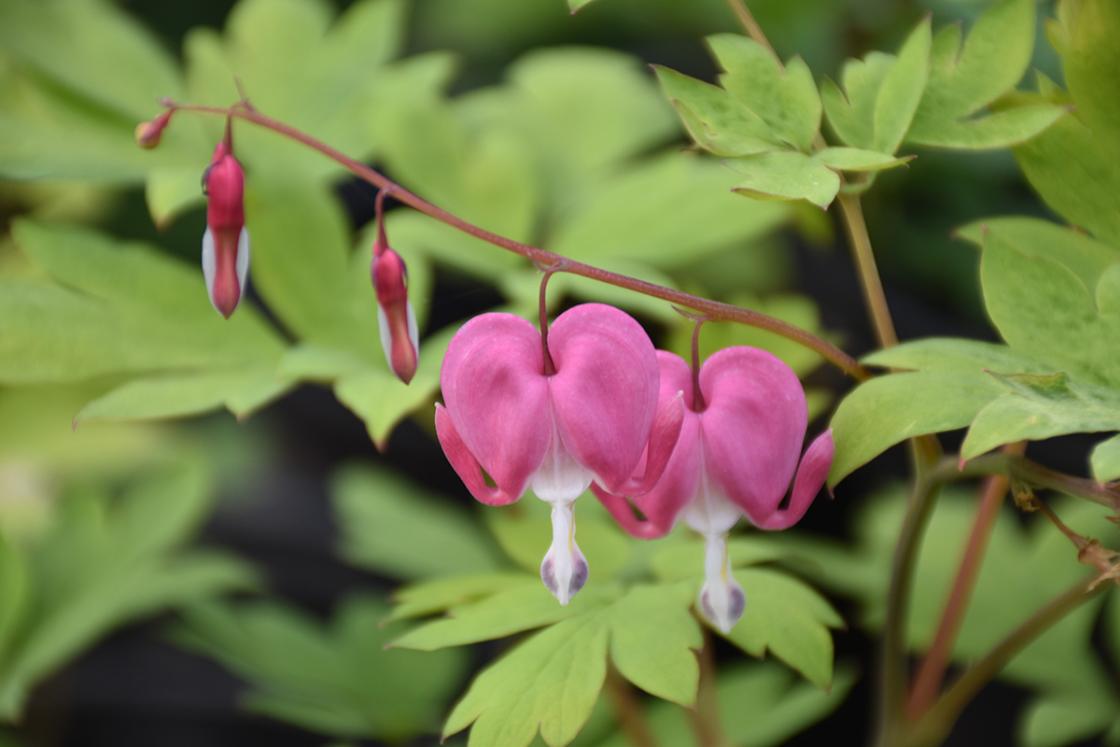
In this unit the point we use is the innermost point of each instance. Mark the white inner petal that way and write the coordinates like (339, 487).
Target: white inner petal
(710, 511)
(242, 259)
(721, 598)
(560, 478)
(564, 569)
(209, 263)
(386, 341)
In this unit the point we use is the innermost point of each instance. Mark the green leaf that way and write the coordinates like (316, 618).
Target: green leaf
(242, 392)
(1071, 169)
(1059, 719)
(1043, 309)
(439, 594)
(789, 619)
(964, 79)
(103, 564)
(881, 94)
(654, 640)
(15, 593)
(785, 98)
(786, 175)
(1105, 460)
(577, 5)
(1040, 406)
(902, 91)
(548, 683)
(393, 526)
(855, 159)
(889, 409)
(382, 400)
(716, 120)
(684, 559)
(516, 609)
(761, 705)
(1084, 256)
(954, 354)
(668, 212)
(318, 676)
(1085, 37)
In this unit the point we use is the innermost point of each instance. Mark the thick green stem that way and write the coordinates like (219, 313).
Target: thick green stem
(937, 722)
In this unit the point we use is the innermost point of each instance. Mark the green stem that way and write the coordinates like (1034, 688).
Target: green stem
(1021, 468)
(935, 725)
(628, 711)
(712, 310)
(704, 716)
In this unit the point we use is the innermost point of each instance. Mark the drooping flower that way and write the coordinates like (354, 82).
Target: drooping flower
(583, 412)
(225, 245)
(395, 318)
(738, 450)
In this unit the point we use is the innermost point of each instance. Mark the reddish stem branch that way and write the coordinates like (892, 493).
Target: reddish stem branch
(927, 683)
(713, 310)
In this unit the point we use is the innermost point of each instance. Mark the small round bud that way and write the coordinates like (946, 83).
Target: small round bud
(148, 134)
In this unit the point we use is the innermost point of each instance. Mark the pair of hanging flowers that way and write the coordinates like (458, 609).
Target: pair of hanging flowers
(591, 403)
(588, 403)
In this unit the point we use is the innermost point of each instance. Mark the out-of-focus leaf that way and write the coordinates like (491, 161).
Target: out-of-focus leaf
(784, 97)
(1058, 719)
(1105, 460)
(789, 619)
(786, 175)
(795, 309)
(104, 563)
(956, 354)
(321, 677)
(14, 592)
(965, 78)
(1085, 38)
(761, 705)
(667, 212)
(393, 526)
(889, 409)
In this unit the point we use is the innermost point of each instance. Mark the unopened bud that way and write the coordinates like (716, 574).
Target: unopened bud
(396, 321)
(148, 134)
(225, 245)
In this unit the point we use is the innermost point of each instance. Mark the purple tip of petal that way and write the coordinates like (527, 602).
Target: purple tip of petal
(811, 476)
(723, 604)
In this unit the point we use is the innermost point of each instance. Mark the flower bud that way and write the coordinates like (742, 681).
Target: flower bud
(148, 134)
(396, 320)
(225, 245)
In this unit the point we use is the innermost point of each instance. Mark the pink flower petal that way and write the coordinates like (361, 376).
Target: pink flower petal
(604, 392)
(464, 463)
(498, 401)
(810, 478)
(753, 426)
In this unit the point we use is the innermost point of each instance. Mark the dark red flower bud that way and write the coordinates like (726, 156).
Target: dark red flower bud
(225, 245)
(395, 319)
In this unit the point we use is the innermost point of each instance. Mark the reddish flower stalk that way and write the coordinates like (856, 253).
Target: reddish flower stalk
(712, 310)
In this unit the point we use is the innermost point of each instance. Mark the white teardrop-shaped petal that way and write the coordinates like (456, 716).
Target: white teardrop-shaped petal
(721, 598)
(564, 569)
